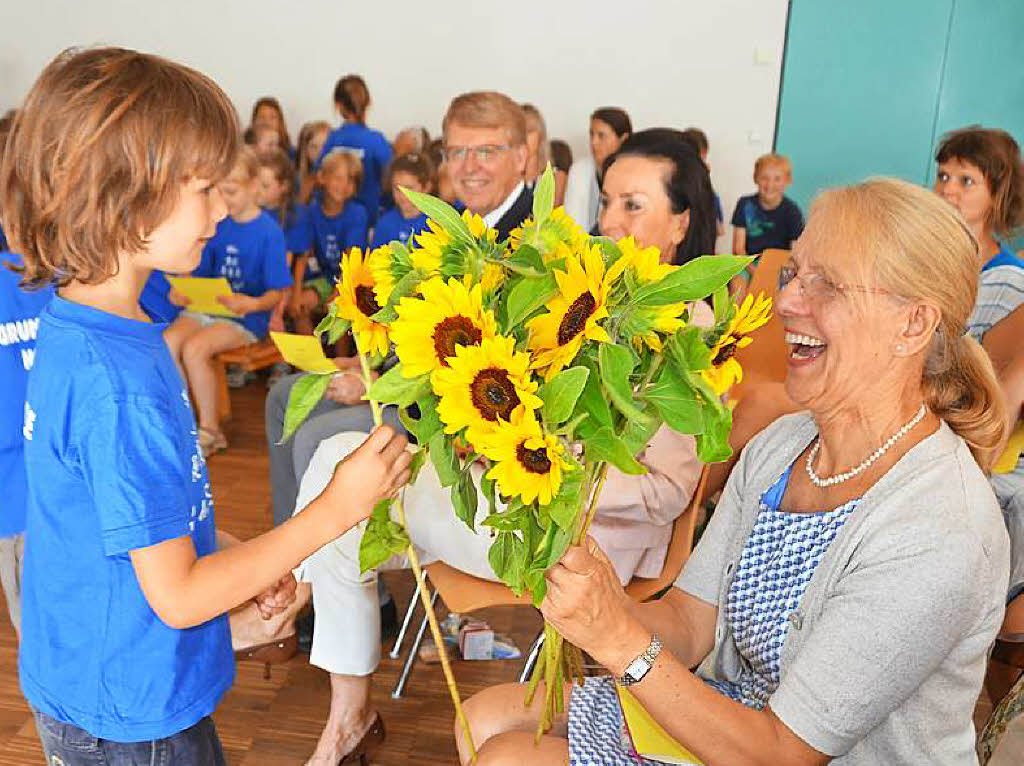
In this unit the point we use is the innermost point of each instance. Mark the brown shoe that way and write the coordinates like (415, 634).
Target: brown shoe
(270, 653)
(373, 739)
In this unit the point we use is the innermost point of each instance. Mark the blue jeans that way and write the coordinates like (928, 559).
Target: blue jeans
(67, 745)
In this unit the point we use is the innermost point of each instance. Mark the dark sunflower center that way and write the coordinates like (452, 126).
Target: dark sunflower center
(365, 301)
(452, 332)
(727, 352)
(493, 394)
(533, 460)
(576, 318)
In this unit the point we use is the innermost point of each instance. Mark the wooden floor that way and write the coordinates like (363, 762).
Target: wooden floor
(277, 722)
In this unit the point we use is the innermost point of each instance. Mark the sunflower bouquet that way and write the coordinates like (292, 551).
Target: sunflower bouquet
(547, 358)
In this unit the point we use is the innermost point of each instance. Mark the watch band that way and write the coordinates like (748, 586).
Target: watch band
(639, 667)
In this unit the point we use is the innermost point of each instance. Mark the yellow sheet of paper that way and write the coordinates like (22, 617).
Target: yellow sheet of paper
(649, 739)
(1014, 447)
(303, 351)
(203, 292)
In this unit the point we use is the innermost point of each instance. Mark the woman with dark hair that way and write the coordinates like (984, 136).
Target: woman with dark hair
(657, 189)
(267, 112)
(609, 127)
(352, 100)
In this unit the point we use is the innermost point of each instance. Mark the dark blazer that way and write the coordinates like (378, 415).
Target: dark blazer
(515, 215)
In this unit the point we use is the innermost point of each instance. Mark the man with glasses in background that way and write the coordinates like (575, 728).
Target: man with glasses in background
(485, 154)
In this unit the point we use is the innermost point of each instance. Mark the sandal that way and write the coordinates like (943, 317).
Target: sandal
(211, 442)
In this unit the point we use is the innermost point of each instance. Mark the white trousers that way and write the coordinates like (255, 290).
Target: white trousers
(346, 638)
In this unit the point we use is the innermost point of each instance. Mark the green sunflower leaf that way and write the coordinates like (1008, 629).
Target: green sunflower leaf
(507, 556)
(605, 445)
(687, 351)
(609, 249)
(514, 518)
(441, 212)
(419, 459)
(528, 295)
(616, 363)
(536, 583)
(305, 394)
(382, 538)
(464, 499)
(713, 442)
(693, 280)
(544, 196)
(675, 400)
(526, 261)
(338, 329)
(429, 423)
(564, 508)
(722, 304)
(592, 403)
(637, 434)
(446, 462)
(561, 393)
(394, 388)
(487, 486)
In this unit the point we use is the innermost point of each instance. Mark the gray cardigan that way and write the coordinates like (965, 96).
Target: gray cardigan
(885, 655)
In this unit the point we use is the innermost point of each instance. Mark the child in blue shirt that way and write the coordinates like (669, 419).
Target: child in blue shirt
(352, 99)
(125, 646)
(248, 249)
(329, 227)
(19, 324)
(413, 171)
(277, 192)
(768, 219)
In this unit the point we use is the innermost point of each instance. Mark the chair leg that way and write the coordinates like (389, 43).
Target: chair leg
(396, 650)
(414, 652)
(223, 394)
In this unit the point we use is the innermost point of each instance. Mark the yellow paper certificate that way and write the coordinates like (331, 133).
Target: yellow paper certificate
(202, 293)
(303, 351)
(1014, 447)
(649, 739)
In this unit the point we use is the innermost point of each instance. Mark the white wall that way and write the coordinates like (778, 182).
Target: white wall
(710, 63)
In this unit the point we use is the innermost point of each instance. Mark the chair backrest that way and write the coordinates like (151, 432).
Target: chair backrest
(679, 548)
(764, 360)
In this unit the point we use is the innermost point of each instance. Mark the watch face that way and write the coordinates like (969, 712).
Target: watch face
(637, 669)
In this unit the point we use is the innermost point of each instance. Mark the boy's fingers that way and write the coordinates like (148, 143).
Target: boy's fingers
(394, 449)
(378, 439)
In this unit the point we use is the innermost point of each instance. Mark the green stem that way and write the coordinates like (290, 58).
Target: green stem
(368, 381)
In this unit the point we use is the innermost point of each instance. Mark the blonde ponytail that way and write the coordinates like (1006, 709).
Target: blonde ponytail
(960, 386)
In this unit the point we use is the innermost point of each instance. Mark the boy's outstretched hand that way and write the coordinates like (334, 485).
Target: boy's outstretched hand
(376, 470)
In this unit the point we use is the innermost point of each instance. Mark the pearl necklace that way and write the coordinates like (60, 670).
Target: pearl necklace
(839, 478)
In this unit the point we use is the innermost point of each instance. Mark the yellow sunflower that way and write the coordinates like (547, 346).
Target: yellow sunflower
(429, 329)
(483, 386)
(385, 270)
(725, 370)
(527, 462)
(437, 252)
(356, 302)
(647, 266)
(559, 227)
(574, 313)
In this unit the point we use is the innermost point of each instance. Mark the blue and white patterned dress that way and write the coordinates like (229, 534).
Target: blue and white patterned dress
(775, 567)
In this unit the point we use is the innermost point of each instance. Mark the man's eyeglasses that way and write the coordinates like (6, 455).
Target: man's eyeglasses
(483, 154)
(819, 288)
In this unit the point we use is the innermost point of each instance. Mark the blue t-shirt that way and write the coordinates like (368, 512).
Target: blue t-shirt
(291, 222)
(19, 323)
(1003, 258)
(391, 226)
(114, 465)
(767, 229)
(251, 256)
(330, 237)
(375, 152)
(154, 300)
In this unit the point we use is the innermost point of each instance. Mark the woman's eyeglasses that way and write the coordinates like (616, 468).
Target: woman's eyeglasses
(819, 288)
